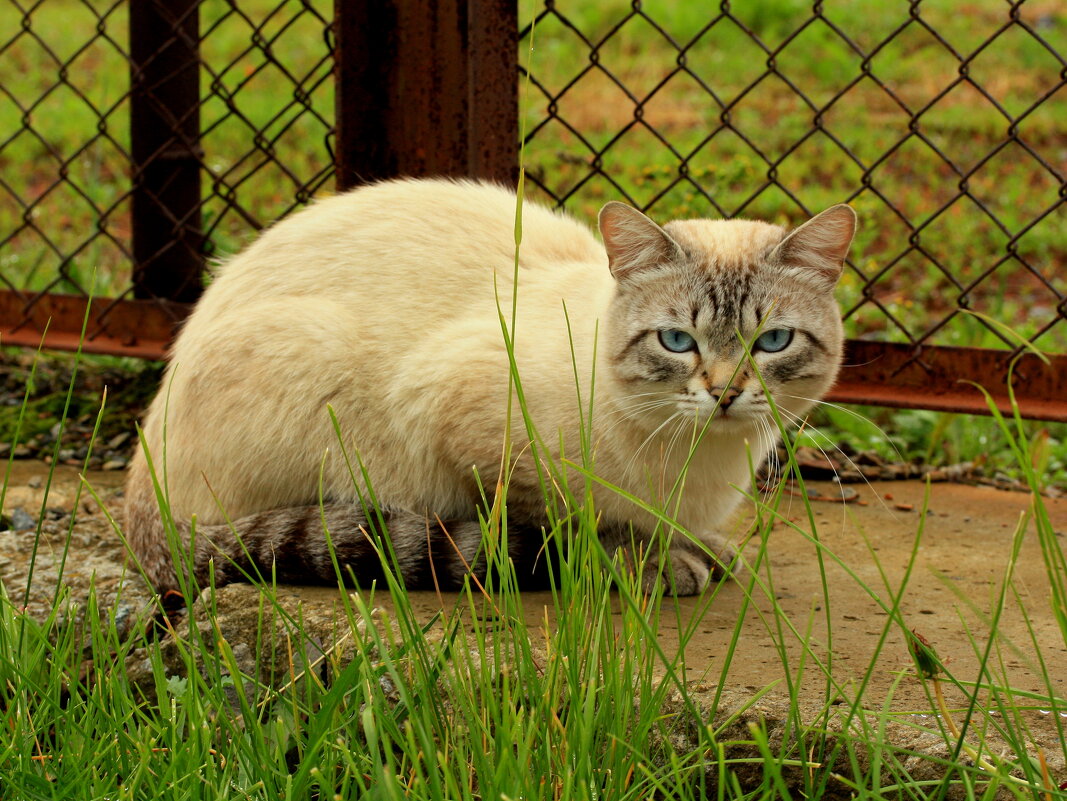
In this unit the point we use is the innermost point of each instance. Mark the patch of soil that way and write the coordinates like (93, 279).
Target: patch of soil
(33, 394)
(76, 541)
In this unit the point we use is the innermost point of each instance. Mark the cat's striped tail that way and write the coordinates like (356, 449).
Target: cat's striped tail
(289, 545)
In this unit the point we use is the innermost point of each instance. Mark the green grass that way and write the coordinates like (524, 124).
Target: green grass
(936, 439)
(489, 698)
(42, 383)
(480, 702)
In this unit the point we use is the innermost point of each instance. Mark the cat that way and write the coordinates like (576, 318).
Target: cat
(384, 304)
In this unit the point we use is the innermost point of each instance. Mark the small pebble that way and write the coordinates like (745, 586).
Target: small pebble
(904, 507)
(35, 482)
(21, 521)
(118, 440)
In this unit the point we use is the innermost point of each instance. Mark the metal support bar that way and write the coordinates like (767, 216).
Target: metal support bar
(947, 379)
(139, 328)
(168, 243)
(875, 373)
(426, 87)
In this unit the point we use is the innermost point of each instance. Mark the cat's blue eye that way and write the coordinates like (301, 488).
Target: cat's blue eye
(775, 340)
(677, 341)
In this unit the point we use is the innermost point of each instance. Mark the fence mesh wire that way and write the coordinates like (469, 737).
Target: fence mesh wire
(66, 169)
(941, 122)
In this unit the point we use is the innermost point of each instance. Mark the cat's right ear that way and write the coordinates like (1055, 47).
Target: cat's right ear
(634, 243)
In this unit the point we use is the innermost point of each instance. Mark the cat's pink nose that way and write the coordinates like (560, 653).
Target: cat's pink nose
(725, 396)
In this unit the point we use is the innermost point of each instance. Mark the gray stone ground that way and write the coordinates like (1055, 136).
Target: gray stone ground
(961, 561)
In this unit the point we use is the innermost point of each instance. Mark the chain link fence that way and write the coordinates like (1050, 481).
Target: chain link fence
(944, 124)
(138, 139)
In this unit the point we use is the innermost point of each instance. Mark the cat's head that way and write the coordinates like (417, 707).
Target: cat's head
(688, 293)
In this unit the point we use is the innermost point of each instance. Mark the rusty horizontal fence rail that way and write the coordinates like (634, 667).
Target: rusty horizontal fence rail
(874, 373)
(139, 328)
(952, 379)
(363, 92)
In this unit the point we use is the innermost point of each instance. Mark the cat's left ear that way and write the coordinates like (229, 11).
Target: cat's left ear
(634, 243)
(821, 243)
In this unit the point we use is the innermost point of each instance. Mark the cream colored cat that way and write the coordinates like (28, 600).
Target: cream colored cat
(383, 304)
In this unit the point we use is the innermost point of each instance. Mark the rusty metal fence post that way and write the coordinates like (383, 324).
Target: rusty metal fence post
(168, 243)
(426, 88)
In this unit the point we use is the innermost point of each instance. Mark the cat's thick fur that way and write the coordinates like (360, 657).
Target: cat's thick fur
(383, 304)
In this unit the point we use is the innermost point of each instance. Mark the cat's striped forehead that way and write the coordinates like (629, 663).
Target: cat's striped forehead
(717, 300)
(720, 294)
(725, 247)
(725, 283)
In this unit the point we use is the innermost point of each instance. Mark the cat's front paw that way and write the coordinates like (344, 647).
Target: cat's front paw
(689, 569)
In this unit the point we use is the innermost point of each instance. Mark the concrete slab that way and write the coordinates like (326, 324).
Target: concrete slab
(962, 561)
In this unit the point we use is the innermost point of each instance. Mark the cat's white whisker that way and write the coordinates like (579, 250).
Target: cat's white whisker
(807, 424)
(642, 411)
(648, 440)
(684, 420)
(639, 399)
(801, 424)
(630, 410)
(769, 439)
(857, 415)
(678, 429)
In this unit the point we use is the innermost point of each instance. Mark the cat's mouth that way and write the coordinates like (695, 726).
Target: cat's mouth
(725, 417)
(718, 415)
(715, 407)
